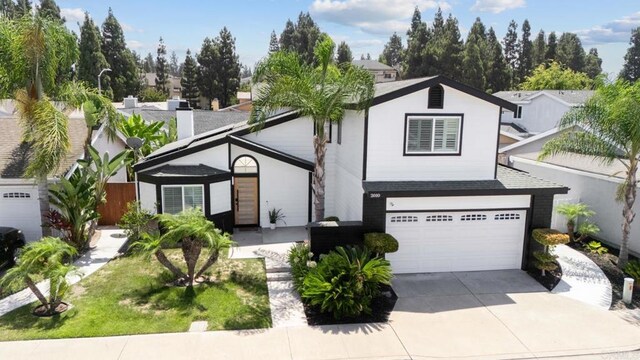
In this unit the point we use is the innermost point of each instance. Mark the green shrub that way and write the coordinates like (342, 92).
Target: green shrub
(136, 221)
(548, 238)
(545, 261)
(345, 281)
(633, 269)
(300, 260)
(331, 218)
(380, 243)
(595, 247)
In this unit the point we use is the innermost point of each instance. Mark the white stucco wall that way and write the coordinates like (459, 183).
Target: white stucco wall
(216, 157)
(220, 195)
(539, 115)
(294, 137)
(385, 159)
(597, 191)
(147, 196)
(103, 145)
(282, 186)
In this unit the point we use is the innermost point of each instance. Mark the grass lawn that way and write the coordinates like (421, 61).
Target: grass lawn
(130, 295)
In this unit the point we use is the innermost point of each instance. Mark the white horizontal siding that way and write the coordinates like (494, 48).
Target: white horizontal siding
(220, 196)
(294, 137)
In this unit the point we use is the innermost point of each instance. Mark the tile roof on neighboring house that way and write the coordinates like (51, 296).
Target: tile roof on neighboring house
(14, 154)
(571, 97)
(508, 179)
(372, 65)
(203, 120)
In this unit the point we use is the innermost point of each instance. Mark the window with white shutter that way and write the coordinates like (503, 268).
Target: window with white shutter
(176, 198)
(433, 135)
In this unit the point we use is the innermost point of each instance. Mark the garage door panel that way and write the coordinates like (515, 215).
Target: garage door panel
(457, 241)
(19, 208)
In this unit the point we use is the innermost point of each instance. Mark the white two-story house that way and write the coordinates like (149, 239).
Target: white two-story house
(420, 164)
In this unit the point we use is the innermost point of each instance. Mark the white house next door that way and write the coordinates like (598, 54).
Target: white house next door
(461, 240)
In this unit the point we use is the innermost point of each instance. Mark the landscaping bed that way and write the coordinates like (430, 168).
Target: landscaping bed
(133, 295)
(607, 262)
(381, 308)
(551, 278)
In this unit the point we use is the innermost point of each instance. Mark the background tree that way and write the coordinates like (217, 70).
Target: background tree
(286, 38)
(434, 47)
(552, 47)
(229, 68)
(474, 61)
(539, 49)
(162, 69)
(525, 57)
(556, 77)
(417, 38)
(631, 68)
(613, 135)
(593, 64)
(452, 51)
(393, 53)
(208, 61)
(22, 8)
(344, 55)
(321, 93)
(8, 9)
(124, 71)
(512, 49)
(497, 72)
(570, 52)
(91, 60)
(149, 64)
(189, 80)
(305, 36)
(49, 9)
(274, 46)
(245, 71)
(174, 65)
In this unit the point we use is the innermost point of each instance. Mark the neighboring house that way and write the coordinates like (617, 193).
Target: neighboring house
(420, 164)
(541, 110)
(380, 71)
(507, 138)
(591, 181)
(19, 206)
(149, 80)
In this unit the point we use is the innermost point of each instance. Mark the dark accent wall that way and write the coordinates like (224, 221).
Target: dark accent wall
(374, 212)
(223, 221)
(540, 217)
(323, 239)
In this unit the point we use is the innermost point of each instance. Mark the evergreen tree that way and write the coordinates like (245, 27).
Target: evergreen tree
(149, 64)
(393, 53)
(570, 52)
(274, 46)
(593, 64)
(452, 52)
(162, 69)
(208, 63)
(343, 54)
(552, 47)
(434, 46)
(497, 70)
(22, 8)
(245, 72)
(539, 49)
(525, 57)
(286, 38)
(229, 69)
(417, 38)
(91, 60)
(124, 71)
(49, 9)
(473, 63)
(189, 80)
(174, 66)
(305, 37)
(8, 9)
(631, 68)
(512, 49)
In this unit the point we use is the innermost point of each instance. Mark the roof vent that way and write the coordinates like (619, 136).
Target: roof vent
(130, 102)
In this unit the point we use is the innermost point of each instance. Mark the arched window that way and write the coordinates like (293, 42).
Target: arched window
(245, 165)
(436, 97)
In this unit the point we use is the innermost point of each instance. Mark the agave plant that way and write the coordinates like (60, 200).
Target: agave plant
(49, 259)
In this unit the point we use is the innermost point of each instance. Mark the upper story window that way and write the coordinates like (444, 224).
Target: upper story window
(436, 97)
(518, 113)
(176, 198)
(433, 135)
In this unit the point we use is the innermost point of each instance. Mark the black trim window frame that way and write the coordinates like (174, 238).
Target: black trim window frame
(182, 186)
(339, 134)
(410, 116)
(518, 113)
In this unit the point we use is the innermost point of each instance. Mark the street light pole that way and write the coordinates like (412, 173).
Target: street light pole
(99, 75)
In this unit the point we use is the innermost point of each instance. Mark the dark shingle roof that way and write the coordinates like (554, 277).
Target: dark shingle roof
(184, 170)
(371, 65)
(203, 120)
(508, 180)
(574, 97)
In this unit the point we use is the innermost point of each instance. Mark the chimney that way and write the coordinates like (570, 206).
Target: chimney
(184, 120)
(215, 104)
(130, 102)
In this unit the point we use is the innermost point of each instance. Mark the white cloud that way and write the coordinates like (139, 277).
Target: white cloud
(497, 6)
(373, 16)
(135, 44)
(129, 28)
(72, 15)
(616, 31)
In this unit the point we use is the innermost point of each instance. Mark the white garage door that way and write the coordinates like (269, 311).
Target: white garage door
(19, 209)
(457, 240)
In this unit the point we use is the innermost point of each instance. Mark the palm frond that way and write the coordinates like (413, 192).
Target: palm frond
(50, 137)
(580, 142)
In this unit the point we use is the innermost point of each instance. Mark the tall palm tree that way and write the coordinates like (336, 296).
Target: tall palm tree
(611, 123)
(322, 93)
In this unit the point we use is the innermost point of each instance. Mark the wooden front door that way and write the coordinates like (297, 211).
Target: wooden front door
(245, 193)
(118, 196)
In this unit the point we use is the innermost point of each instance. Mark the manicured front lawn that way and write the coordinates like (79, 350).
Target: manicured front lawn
(131, 295)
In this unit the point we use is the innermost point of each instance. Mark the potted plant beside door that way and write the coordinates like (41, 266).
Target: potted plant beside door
(275, 215)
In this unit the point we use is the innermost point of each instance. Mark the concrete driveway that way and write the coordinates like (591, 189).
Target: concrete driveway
(500, 314)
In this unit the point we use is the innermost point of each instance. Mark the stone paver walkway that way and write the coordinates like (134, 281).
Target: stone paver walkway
(107, 246)
(582, 279)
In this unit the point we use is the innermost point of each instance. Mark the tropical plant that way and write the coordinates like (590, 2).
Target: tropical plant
(136, 221)
(633, 269)
(345, 281)
(276, 215)
(549, 239)
(47, 258)
(611, 123)
(322, 93)
(101, 169)
(300, 260)
(573, 212)
(152, 134)
(193, 232)
(595, 247)
(152, 95)
(380, 243)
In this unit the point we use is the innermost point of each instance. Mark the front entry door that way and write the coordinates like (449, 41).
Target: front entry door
(245, 193)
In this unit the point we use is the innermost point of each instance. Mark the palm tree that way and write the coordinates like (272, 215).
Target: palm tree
(46, 258)
(193, 232)
(322, 93)
(611, 123)
(573, 212)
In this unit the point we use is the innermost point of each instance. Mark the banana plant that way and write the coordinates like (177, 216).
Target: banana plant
(101, 169)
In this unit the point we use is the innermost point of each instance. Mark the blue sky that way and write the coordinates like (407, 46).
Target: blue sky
(364, 24)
